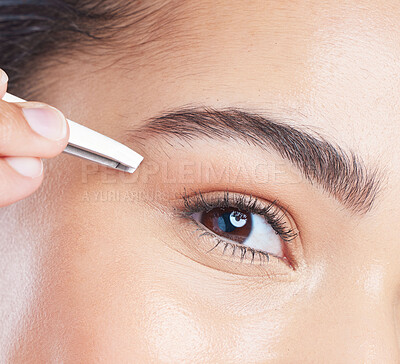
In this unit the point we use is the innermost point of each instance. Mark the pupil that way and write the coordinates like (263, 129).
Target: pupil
(238, 219)
(229, 221)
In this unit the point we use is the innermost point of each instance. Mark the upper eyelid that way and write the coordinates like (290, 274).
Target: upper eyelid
(240, 199)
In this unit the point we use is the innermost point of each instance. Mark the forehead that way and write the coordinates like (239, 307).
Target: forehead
(328, 64)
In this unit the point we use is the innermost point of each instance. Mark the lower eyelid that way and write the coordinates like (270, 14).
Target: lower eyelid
(234, 250)
(186, 241)
(234, 246)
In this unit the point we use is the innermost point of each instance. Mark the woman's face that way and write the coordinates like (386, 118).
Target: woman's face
(156, 266)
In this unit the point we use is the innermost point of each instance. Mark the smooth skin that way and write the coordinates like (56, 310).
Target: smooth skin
(97, 268)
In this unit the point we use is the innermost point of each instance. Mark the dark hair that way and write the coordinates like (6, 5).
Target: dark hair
(32, 31)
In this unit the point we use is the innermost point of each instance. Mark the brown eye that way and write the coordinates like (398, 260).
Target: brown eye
(241, 227)
(229, 223)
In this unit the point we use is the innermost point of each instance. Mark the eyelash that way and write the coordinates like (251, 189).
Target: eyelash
(249, 204)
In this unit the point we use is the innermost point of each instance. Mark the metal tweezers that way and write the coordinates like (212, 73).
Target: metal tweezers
(91, 145)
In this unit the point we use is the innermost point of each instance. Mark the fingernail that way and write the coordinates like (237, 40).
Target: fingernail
(3, 78)
(46, 121)
(27, 166)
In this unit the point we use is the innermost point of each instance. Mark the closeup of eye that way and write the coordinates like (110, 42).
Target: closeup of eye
(242, 224)
(250, 230)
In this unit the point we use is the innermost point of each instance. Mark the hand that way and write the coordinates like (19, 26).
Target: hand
(29, 131)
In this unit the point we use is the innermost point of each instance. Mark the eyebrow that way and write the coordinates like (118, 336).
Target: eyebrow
(342, 174)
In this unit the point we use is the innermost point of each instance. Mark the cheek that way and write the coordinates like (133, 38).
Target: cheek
(106, 287)
(111, 288)
(105, 294)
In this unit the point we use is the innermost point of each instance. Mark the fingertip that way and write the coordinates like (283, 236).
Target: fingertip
(3, 83)
(48, 122)
(26, 166)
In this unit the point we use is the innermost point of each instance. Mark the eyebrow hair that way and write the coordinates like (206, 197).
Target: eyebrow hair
(342, 174)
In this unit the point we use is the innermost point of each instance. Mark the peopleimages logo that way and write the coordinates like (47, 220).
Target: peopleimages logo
(194, 172)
